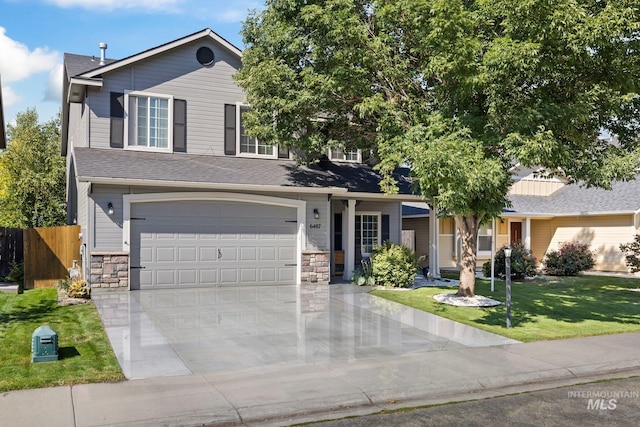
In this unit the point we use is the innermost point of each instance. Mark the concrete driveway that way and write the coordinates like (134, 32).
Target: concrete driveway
(157, 333)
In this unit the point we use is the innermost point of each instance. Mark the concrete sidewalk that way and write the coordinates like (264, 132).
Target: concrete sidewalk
(293, 393)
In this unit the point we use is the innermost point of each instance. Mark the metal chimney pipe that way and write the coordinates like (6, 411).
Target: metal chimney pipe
(103, 49)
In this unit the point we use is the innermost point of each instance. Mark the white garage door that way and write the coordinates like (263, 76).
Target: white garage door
(208, 243)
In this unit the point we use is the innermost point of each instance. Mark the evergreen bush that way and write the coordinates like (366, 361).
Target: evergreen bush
(571, 259)
(393, 265)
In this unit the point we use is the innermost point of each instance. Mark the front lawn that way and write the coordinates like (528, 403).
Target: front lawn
(545, 309)
(85, 355)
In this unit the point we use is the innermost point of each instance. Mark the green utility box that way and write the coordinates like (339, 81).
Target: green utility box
(44, 345)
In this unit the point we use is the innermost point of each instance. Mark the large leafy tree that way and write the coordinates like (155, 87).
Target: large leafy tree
(459, 90)
(32, 174)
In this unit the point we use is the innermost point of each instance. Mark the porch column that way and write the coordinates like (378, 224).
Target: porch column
(350, 233)
(527, 233)
(434, 233)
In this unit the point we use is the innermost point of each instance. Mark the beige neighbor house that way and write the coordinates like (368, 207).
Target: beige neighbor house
(545, 213)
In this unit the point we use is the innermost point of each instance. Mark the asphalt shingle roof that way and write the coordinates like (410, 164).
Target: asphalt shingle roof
(94, 163)
(574, 199)
(78, 64)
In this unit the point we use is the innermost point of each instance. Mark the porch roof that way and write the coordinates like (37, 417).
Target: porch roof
(93, 164)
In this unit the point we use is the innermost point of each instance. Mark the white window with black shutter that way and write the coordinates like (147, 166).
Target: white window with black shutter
(238, 143)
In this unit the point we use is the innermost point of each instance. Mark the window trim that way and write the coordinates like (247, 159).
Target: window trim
(342, 159)
(256, 155)
(378, 215)
(136, 93)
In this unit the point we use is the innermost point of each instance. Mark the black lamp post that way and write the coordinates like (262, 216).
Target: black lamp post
(507, 259)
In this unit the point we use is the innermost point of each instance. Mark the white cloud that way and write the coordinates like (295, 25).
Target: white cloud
(54, 85)
(9, 97)
(17, 62)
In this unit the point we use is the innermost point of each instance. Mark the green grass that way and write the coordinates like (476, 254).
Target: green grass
(85, 355)
(544, 309)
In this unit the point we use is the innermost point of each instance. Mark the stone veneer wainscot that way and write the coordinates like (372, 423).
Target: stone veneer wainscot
(315, 267)
(109, 270)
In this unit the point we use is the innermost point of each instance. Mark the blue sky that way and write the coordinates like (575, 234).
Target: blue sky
(34, 35)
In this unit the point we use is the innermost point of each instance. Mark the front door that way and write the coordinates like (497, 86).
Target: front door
(516, 233)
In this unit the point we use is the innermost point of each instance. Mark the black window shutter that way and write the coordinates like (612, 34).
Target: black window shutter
(116, 137)
(385, 228)
(180, 125)
(229, 129)
(283, 153)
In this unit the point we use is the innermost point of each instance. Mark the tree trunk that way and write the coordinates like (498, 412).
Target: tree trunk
(468, 226)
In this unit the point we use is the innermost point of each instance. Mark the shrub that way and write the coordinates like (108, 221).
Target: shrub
(75, 288)
(393, 265)
(364, 276)
(631, 253)
(16, 275)
(523, 263)
(571, 259)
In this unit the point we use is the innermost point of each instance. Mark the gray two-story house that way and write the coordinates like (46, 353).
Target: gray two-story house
(170, 192)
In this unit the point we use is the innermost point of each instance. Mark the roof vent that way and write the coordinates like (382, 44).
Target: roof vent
(103, 49)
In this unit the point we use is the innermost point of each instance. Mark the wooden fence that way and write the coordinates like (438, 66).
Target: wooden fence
(49, 253)
(10, 249)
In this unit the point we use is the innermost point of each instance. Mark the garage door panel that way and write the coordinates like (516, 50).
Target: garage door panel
(196, 243)
(188, 277)
(165, 255)
(268, 275)
(228, 275)
(208, 254)
(166, 277)
(248, 275)
(286, 254)
(248, 254)
(267, 253)
(208, 276)
(188, 254)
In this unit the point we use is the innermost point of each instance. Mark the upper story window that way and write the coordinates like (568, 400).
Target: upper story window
(249, 145)
(148, 121)
(342, 155)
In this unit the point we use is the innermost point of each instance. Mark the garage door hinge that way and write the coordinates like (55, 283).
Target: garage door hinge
(136, 268)
(138, 219)
(291, 265)
(291, 220)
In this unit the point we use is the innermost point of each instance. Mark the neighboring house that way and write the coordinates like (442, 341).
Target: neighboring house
(545, 213)
(3, 135)
(170, 192)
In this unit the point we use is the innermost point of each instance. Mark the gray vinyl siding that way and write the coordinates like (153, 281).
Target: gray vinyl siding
(107, 229)
(79, 125)
(317, 238)
(176, 73)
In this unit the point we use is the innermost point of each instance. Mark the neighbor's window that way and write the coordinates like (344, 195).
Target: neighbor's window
(148, 121)
(484, 238)
(249, 144)
(342, 155)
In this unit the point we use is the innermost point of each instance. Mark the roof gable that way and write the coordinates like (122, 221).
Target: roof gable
(114, 65)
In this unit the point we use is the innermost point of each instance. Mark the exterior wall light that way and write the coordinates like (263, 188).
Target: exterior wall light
(110, 209)
(316, 213)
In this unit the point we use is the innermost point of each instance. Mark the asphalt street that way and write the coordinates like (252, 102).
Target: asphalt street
(608, 403)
